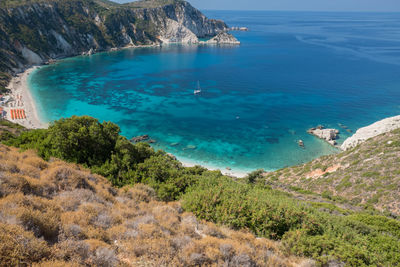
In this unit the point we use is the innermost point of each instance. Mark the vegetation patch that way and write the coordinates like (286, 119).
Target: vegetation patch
(314, 227)
(60, 214)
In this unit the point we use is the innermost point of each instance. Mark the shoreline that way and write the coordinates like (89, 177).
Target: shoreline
(232, 172)
(21, 98)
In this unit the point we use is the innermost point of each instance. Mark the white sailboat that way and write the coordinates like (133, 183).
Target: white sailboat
(198, 90)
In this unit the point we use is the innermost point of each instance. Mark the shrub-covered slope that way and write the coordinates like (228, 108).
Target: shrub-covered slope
(327, 231)
(366, 175)
(331, 235)
(59, 214)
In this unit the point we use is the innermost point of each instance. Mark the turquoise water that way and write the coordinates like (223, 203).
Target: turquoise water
(293, 71)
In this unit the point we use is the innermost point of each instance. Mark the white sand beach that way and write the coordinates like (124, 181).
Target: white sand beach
(228, 172)
(21, 99)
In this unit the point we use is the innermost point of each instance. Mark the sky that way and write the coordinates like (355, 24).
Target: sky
(300, 5)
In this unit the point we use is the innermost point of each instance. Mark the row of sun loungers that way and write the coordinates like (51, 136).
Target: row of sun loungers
(17, 114)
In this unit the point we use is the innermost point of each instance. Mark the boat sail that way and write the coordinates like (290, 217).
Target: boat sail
(198, 90)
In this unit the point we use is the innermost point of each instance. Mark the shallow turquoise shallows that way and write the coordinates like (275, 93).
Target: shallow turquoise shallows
(293, 71)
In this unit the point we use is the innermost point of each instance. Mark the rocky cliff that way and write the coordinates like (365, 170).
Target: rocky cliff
(35, 31)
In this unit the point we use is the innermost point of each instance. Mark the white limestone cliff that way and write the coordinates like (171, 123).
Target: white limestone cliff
(375, 129)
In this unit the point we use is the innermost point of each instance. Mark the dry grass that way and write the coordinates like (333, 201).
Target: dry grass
(59, 214)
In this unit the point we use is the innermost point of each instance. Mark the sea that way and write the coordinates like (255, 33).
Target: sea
(292, 71)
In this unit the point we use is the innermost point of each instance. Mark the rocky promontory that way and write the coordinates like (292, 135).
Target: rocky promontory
(375, 129)
(222, 38)
(329, 135)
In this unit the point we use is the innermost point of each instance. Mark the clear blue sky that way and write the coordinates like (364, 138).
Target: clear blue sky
(309, 5)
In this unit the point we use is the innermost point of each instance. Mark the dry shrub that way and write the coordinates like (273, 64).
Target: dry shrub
(56, 263)
(66, 177)
(94, 244)
(189, 225)
(92, 218)
(12, 184)
(120, 232)
(17, 183)
(19, 247)
(150, 231)
(36, 162)
(72, 251)
(204, 251)
(139, 193)
(9, 166)
(213, 230)
(71, 200)
(26, 169)
(222, 252)
(39, 215)
(4, 151)
(72, 231)
(167, 217)
(104, 257)
(180, 242)
(154, 250)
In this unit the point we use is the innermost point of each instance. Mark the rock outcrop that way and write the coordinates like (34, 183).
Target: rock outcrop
(223, 38)
(365, 133)
(140, 138)
(329, 135)
(38, 31)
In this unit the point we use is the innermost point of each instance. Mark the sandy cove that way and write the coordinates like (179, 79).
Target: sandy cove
(21, 98)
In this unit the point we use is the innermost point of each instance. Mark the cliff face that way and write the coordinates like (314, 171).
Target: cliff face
(34, 32)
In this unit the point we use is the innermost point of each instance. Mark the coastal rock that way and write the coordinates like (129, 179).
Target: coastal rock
(88, 53)
(375, 129)
(172, 156)
(242, 29)
(140, 138)
(223, 38)
(329, 135)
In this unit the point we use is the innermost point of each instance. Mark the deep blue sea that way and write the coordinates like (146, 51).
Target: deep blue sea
(293, 71)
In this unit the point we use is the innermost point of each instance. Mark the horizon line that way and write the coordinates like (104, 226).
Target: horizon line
(294, 10)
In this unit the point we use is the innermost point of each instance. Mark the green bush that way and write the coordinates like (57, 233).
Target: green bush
(266, 212)
(306, 230)
(98, 146)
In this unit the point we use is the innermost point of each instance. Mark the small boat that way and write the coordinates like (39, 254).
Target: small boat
(301, 143)
(198, 90)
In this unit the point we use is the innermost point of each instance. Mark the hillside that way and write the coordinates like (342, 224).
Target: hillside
(59, 214)
(367, 175)
(300, 222)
